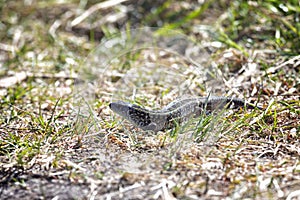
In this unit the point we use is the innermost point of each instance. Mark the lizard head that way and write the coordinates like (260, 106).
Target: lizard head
(133, 113)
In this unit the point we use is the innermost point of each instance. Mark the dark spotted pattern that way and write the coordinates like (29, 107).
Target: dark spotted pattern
(176, 112)
(139, 116)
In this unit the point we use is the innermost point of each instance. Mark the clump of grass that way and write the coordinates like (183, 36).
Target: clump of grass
(238, 25)
(40, 135)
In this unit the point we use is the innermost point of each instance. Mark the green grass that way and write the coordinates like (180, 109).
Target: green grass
(53, 142)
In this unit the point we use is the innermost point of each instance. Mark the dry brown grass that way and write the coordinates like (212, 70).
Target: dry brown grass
(58, 138)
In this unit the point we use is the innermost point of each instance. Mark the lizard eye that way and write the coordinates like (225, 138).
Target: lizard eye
(142, 123)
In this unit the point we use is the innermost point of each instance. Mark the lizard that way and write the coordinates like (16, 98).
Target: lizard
(175, 112)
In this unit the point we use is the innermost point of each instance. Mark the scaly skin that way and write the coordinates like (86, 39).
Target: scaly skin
(177, 111)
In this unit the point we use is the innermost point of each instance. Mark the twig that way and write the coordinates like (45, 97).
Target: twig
(289, 62)
(91, 10)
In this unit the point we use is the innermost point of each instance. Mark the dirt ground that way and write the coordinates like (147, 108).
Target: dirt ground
(61, 64)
